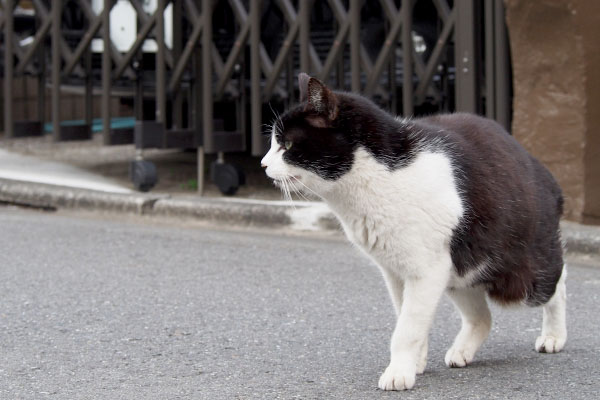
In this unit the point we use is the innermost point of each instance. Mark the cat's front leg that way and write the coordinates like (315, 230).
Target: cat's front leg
(421, 296)
(395, 287)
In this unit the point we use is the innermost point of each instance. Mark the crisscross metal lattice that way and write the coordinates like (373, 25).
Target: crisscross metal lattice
(464, 68)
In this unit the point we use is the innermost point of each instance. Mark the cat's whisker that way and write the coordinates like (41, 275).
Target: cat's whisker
(267, 129)
(297, 190)
(306, 187)
(294, 189)
(288, 195)
(286, 190)
(301, 193)
(277, 122)
(272, 110)
(282, 187)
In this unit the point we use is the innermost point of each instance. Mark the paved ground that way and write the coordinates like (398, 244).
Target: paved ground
(92, 307)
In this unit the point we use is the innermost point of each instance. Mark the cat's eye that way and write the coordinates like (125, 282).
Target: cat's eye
(287, 144)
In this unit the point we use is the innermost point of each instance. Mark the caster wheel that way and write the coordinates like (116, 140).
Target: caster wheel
(143, 175)
(227, 177)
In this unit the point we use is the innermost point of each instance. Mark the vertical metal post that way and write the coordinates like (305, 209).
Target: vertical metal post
(393, 101)
(242, 111)
(490, 73)
(207, 95)
(197, 115)
(106, 72)
(25, 94)
(189, 121)
(8, 68)
(2, 105)
(466, 90)
(255, 93)
(138, 102)
(340, 75)
(407, 81)
(41, 97)
(290, 79)
(88, 88)
(242, 100)
(177, 47)
(339, 65)
(355, 6)
(502, 78)
(200, 172)
(161, 99)
(56, 59)
(304, 11)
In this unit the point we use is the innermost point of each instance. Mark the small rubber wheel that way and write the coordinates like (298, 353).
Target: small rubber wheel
(143, 175)
(227, 177)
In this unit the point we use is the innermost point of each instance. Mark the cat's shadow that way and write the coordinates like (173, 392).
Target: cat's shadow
(524, 361)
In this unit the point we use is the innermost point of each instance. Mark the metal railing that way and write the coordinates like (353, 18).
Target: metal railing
(465, 66)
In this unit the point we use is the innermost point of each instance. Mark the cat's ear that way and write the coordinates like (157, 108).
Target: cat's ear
(303, 79)
(321, 99)
(318, 97)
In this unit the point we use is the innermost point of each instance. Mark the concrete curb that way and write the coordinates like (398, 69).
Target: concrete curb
(302, 216)
(55, 197)
(581, 239)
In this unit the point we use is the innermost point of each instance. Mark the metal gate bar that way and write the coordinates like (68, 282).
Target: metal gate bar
(255, 95)
(466, 86)
(8, 68)
(56, 12)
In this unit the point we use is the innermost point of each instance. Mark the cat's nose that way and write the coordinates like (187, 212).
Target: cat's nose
(263, 162)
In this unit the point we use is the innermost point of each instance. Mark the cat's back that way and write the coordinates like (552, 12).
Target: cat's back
(475, 136)
(487, 157)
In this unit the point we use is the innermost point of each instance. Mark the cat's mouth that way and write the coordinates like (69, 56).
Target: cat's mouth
(279, 181)
(288, 184)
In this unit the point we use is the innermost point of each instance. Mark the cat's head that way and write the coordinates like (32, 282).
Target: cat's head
(313, 143)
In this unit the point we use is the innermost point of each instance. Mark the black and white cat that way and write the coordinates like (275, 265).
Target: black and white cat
(443, 204)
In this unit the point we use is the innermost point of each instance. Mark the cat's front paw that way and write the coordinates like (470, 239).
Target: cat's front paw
(458, 358)
(397, 377)
(549, 344)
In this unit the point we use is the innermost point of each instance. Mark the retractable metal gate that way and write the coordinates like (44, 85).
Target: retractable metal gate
(243, 56)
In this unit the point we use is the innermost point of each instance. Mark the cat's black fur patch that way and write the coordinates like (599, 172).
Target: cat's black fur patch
(513, 210)
(513, 204)
(329, 151)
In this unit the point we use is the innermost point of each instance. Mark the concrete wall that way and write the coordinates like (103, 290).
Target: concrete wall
(589, 26)
(556, 64)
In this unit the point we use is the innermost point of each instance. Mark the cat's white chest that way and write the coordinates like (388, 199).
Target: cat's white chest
(398, 214)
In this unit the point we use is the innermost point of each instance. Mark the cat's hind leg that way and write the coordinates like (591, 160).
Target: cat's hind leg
(554, 325)
(476, 325)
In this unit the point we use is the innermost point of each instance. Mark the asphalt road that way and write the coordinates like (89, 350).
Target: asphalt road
(97, 308)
